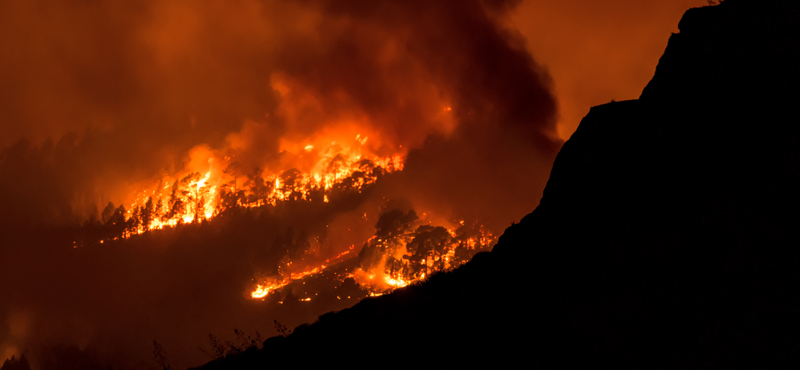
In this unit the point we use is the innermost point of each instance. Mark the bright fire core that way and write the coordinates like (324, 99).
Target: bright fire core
(195, 197)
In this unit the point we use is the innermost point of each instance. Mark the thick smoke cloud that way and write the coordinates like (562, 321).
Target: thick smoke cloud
(100, 97)
(490, 159)
(144, 82)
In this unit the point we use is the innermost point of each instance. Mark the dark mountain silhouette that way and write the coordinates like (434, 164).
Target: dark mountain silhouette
(667, 235)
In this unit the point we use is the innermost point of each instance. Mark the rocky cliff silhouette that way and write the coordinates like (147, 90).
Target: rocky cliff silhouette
(667, 235)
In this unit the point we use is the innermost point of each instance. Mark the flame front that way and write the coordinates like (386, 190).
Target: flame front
(407, 252)
(413, 253)
(193, 197)
(260, 292)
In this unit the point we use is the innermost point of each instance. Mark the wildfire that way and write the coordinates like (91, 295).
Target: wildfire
(409, 254)
(194, 197)
(260, 292)
(403, 251)
(415, 251)
(263, 289)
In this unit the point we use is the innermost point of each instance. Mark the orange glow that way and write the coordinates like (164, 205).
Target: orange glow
(405, 268)
(193, 197)
(260, 292)
(597, 51)
(415, 256)
(265, 288)
(183, 113)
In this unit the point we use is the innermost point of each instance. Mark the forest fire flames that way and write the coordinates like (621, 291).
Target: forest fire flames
(404, 249)
(195, 197)
(263, 289)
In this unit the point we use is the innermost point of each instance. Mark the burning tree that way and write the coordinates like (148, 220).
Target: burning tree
(404, 250)
(427, 250)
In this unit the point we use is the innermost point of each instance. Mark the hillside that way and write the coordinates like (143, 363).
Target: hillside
(666, 236)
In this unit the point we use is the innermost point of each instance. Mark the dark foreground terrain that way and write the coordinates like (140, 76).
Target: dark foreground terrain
(667, 236)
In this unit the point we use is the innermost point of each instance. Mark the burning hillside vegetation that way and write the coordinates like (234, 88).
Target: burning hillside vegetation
(405, 248)
(193, 167)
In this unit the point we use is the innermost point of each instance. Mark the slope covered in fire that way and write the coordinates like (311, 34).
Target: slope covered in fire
(664, 239)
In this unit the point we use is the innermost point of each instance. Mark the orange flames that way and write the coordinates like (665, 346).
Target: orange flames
(404, 250)
(414, 254)
(263, 289)
(194, 197)
(410, 255)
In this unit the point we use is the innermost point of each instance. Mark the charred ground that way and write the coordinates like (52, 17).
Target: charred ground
(665, 236)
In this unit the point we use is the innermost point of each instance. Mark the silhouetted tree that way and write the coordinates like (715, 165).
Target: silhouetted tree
(175, 203)
(147, 213)
(135, 220)
(282, 329)
(216, 346)
(429, 242)
(117, 222)
(158, 211)
(234, 169)
(349, 289)
(291, 185)
(160, 355)
(229, 198)
(259, 189)
(107, 213)
(14, 363)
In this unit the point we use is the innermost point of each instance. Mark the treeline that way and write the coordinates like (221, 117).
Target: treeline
(424, 248)
(192, 200)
